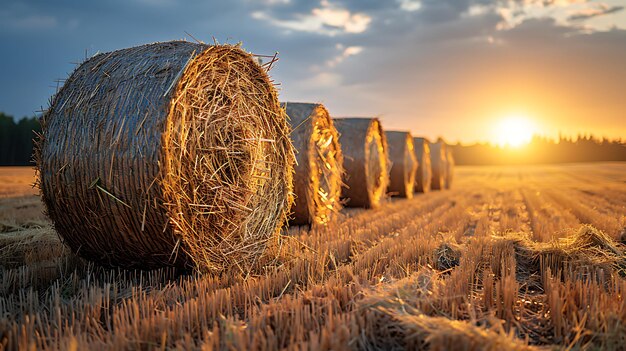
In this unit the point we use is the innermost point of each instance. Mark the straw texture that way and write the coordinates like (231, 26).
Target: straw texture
(319, 164)
(438, 165)
(424, 174)
(366, 162)
(403, 164)
(449, 167)
(167, 154)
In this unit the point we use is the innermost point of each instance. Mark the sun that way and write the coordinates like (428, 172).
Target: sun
(514, 130)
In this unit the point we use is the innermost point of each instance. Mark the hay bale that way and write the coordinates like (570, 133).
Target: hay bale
(319, 164)
(424, 174)
(449, 167)
(364, 148)
(403, 163)
(167, 154)
(438, 165)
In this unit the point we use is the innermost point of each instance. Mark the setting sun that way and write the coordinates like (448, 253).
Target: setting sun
(515, 131)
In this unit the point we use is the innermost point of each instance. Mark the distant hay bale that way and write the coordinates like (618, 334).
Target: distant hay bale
(403, 163)
(449, 167)
(364, 148)
(424, 174)
(167, 154)
(319, 164)
(438, 165)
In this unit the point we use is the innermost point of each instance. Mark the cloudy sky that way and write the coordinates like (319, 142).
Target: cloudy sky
(436, 67)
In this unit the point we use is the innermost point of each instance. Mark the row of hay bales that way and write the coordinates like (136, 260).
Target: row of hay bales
(179, 154)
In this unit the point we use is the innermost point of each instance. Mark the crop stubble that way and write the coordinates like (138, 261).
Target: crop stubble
(478, 264)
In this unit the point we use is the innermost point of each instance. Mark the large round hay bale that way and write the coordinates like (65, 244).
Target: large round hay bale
(438, 165)
(364, 148)
(319, 164)
(168, 154)
(424, 171)
(449, 167)
(403, 164)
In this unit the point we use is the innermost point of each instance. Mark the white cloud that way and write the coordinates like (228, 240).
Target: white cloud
(410, 5)
(352, 50)
(478, 10)
(326, 79)
(569, 13)
(594, 11)
(345, 53)
(328, 19)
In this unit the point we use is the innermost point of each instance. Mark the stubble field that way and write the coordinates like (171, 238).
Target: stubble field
(509, 258)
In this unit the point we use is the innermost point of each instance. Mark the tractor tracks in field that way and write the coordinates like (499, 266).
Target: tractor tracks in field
(607, 204)
(547, 217)
(585, 213)
(498, 211)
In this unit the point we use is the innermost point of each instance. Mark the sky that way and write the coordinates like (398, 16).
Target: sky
(450, 68)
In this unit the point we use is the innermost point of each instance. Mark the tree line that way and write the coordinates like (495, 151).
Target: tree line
(16, 140)
(16, 148)
(584, 148)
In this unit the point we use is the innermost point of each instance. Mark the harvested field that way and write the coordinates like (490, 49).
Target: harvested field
(521, 258)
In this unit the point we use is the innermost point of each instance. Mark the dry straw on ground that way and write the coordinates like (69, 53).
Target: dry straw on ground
(319, 164)
(499, 262)
(424, 174)
(403, 163)
(438, 165)
(366, 161)
(582, 254)
(168, 154)
(449, 167)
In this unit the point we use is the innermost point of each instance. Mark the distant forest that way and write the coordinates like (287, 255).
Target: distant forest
(543, 150)
(16, 140)
(16, 148)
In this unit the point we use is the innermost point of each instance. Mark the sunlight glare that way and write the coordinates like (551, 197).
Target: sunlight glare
(515, 131)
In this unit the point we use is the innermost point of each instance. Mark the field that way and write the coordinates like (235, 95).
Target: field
(509, 258)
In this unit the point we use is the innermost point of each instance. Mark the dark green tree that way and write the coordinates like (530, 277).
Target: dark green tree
(16, 140)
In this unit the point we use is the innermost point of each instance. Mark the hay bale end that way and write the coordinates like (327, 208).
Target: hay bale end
(319, 164)
(424, 175)
(403, 163)
(366, 163)
(167, 154)
(438, 165)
